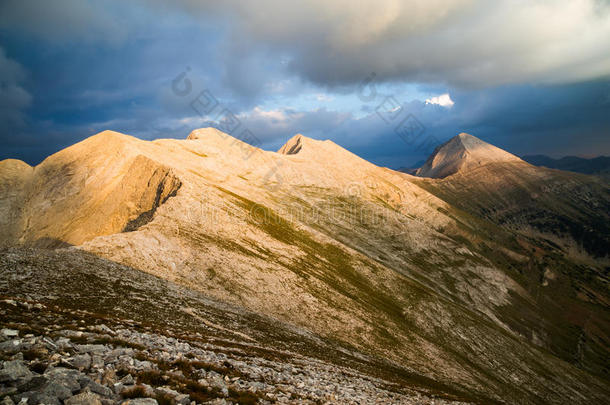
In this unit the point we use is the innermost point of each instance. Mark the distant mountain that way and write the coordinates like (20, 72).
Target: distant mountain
(569, 209)
(462, 152)
(412, 169)
(599, 165)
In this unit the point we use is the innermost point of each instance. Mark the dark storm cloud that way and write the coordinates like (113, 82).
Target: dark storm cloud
(13, 97)
(460, 42)
(556, 120)
(65, 20)
(73, 68)
(82, 85)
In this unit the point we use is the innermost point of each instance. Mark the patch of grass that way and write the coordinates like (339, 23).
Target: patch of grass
(82, 340)
(200, 393)
(164, 399)
(33, 354)
(30, 329)
(188, 368)
(152, 377)
(142, 356)
(106, 341)
(184, 366)
(243, 397)
(136, 392)
(225, 369)
(118, 342)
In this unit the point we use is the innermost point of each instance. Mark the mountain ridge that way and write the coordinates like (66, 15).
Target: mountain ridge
(380, 261)
(596, 166)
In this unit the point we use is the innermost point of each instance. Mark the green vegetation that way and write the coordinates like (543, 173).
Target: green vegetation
(138, 391)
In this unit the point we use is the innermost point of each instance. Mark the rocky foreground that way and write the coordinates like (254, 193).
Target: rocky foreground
(95, 364)
(76, 329)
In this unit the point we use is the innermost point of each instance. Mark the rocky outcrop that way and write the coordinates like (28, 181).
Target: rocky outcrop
(15, 175)
(99, 187)
(293, 146)
(167, 370)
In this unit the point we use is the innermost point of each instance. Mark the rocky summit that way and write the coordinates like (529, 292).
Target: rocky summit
(206, 270)
(462, 153)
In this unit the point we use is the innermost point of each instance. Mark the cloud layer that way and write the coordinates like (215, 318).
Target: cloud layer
(530, 76)
(471, 43)
(13, 97)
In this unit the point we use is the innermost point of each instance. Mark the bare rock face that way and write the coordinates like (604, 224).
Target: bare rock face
(293, 146)
(461, 153)
(100, 186)
(14, 176)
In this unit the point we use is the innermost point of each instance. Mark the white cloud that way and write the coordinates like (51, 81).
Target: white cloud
(270, 125)
(444, 100)
(324, 97)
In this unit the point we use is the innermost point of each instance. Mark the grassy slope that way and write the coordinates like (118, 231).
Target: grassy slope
(83, 289)
(395, 295)
(539, 209)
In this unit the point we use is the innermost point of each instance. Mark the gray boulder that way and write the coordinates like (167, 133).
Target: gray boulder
(51, 393)
(85, 398)
(7, 401)
(65, 377)
(10, 346)
(180, 399)
(140, 401)
(118, 388)
(93, 349)
(63, 343)
(14, 370)
(99, 389)
(81, 361)
(127, 380)
(34, 398)
(34, 384)
(97, 361)
(56, 390)
(9, 333)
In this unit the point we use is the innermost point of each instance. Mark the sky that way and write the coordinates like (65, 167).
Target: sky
(387, 79)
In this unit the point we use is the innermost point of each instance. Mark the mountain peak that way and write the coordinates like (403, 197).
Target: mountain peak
(108, 137)
(203, 133)
(315, 149)
(293, 146)
(214, 139)
(462, 152)
(465, 136)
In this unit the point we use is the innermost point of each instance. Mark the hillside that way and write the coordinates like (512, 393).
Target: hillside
(395, 269)
(87, 317)
(567, 210)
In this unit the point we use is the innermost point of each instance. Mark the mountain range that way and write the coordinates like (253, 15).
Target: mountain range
(599, 165)
(481, 279)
